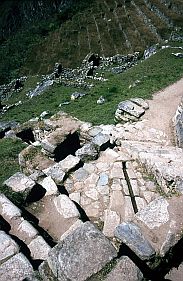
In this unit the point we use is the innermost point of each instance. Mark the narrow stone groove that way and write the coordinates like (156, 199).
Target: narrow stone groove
(134, 204)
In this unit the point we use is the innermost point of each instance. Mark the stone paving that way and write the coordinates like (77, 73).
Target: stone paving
(126, 179)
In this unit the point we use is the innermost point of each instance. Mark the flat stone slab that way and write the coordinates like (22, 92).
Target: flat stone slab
(56, 173)
(131, 235)
(161, 222)
(111, 221)
(87, 153)
(16, 268)
(20, 183)
(83, 253)
(66, 207)
(140, 102)
(50, 186)
(69, 163)
(8, 247)
(39, 248)
(25, 230)
(125, 270)
(101, 140)
(7, 209)
(131, 108)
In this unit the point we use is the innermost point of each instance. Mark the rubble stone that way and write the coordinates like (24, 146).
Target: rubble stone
(130, 234)
(68, 259)
(65, 206)
(16, 268)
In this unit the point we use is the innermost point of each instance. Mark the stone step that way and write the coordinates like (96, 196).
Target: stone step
(60, 207)
(164, 163)
(23, 230)
(8, 247)
(72, 258)
(20, 183)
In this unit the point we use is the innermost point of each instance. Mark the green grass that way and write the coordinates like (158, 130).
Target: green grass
(10, 149)
(155, 73)
(69, 37)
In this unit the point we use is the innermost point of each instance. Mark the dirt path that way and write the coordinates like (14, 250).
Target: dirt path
(163, 106)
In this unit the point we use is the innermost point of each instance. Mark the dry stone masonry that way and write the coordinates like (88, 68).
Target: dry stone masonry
(105, 191)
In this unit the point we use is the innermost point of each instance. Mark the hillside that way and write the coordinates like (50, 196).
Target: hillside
(91, 148)
(103, 27)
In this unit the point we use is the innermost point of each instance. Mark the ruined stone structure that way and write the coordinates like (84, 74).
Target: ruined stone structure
(90, 197)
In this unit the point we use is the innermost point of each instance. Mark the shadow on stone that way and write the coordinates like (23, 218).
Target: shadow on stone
(158, 267)
(35, 222)
(62, 190)
(36, 194)
(4, 225)
(147, 272)
(2, 133)
(25, 250)
(67, 147)
(83, 215)
(26, 136)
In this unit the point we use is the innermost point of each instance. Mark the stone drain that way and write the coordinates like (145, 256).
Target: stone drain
(130, 188)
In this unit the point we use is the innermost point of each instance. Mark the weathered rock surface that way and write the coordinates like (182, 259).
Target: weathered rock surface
(125, 270)
(39, 248)
(66, 207)
(56, 173)
(8, 247)
(175, 274)
(130, 110)
(161, 223)
(50, 186)
(178, 125)
(88, 152)
(102, 141)
(31, 159)
(7, 209)
(20, 183)
(131, 235)
(165, 163)
(69, 163)
(73, 258)
(6, 126)
(16, 268)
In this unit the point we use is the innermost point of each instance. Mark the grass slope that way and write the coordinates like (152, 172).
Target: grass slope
(104, 27)
(9, 163)
(155, 73)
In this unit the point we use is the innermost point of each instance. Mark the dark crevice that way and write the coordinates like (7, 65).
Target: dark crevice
(107, 145)
(83, 215)
(36, 193)
(69, 146)
(62, 190)
(25, 250)
(134, 204)
(2, 133)
(157, 267)
(147, 272)
(26, 136)
(4, 225)
(35, 222)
